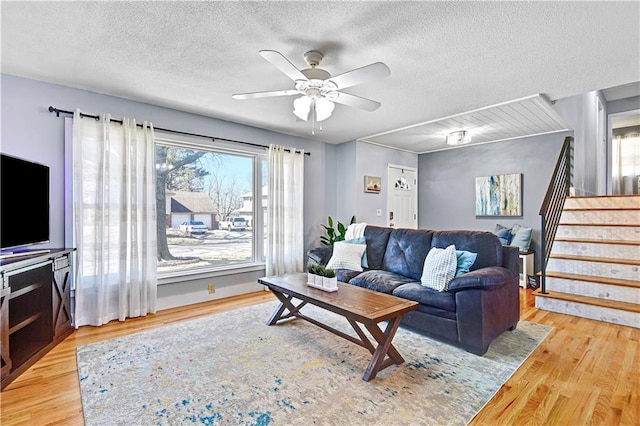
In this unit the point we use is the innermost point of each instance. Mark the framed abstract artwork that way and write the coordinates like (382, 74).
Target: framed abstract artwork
(499, 195)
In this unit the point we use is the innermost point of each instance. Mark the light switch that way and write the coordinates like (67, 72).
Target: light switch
(379, 212)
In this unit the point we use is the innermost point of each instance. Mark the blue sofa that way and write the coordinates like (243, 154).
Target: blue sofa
(478, 306)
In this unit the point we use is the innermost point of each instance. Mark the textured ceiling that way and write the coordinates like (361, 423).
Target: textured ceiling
(446, 58)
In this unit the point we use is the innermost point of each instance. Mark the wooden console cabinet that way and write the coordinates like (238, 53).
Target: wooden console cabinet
(35, 308)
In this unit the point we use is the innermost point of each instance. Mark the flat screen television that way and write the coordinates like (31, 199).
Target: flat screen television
(24, 203)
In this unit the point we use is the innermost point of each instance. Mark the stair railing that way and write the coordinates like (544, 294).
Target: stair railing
(553, 203)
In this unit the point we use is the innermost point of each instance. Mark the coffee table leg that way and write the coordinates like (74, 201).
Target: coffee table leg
(384, 348)
(285, 303)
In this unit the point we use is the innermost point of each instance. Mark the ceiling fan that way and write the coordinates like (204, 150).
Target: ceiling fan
(317, 88)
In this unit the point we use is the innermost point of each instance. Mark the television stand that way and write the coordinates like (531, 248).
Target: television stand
(35, 308)
(12, 254)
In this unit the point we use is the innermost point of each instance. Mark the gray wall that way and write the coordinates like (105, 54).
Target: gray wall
(346, 154)
(357, 159)
(30, 131)
(580, 112)
(372, 160)
(446, 179)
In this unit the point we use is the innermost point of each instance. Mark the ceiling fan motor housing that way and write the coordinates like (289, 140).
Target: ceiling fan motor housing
(316, 74)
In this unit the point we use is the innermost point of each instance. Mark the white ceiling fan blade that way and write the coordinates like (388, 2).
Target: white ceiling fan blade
(283, 64)
(257, 95)
(361, 75)
(354, 101)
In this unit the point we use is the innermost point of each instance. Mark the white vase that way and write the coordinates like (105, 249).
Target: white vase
(311, 279)
(318, 280)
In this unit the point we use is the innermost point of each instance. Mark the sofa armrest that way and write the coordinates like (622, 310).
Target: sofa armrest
(320, 255)
(484, 278)
(511, 258)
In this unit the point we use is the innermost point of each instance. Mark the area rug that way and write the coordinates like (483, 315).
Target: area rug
(231, 368)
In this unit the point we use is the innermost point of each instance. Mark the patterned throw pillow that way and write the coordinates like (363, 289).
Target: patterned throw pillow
(347, 256)
(439, 268)
(360, 240)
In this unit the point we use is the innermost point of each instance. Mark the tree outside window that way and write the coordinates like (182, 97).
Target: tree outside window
(196, 189)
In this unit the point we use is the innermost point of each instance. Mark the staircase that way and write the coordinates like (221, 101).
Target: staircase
(594, 266)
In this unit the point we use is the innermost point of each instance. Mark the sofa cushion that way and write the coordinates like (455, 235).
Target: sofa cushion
(433, 311)
(427, 296)
(439, 268)
(406, 252)
(345, 275)
(485, 244)
(377, 239)
(379, 280)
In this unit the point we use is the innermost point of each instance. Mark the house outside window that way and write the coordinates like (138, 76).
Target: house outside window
(200, 189)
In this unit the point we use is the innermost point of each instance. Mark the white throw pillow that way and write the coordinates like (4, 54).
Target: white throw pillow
(439, 268)
(347, 256)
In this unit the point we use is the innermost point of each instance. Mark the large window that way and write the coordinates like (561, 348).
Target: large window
(210, 207)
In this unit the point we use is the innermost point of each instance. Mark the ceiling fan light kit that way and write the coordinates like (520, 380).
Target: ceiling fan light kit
(460, 137)
(318, 89)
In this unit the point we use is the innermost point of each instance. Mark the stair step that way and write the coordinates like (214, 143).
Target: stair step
(603, 202)
(599, 232)
(585, 265)
(621, 251)
(593, 301)
(601, 208)
(602, 217)
(630, 225)
(592, 241)
(593, 279)
(616, 312)
(594, 288)
(634, 262)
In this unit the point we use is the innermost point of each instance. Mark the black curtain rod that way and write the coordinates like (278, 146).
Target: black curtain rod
(213, 138)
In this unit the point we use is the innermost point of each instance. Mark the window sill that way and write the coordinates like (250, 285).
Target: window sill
(209, 273)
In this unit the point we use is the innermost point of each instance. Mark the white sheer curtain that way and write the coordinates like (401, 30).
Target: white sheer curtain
(285, 240)
(625, 163)
(114, 212)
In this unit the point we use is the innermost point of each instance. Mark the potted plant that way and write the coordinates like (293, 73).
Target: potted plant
(334, 234)
(329, 280)
(312, 273)
(321, 277)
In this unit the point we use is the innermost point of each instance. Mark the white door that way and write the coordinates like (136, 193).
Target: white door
(402, 198)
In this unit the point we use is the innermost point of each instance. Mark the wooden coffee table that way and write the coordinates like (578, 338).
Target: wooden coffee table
(356, 304)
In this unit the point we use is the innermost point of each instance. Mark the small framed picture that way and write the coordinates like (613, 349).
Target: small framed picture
(372, 184)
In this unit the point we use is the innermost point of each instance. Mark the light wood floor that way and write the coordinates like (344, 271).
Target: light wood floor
(585, 372)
